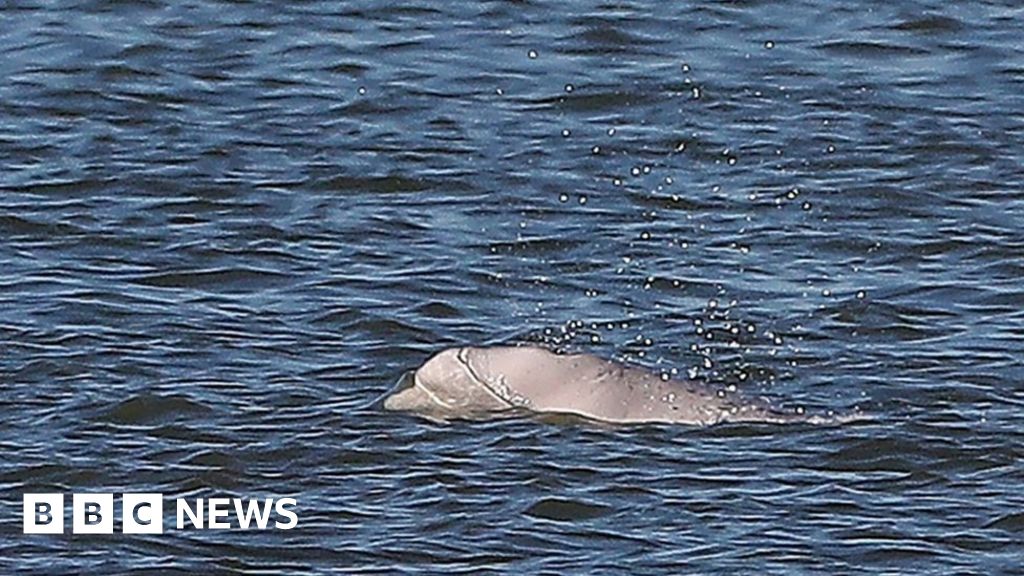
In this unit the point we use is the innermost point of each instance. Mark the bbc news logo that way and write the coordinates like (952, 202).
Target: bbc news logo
(144, 513)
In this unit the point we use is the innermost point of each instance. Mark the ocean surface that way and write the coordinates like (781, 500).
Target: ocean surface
(227, 228)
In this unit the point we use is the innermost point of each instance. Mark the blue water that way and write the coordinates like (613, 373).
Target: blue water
(226, 228)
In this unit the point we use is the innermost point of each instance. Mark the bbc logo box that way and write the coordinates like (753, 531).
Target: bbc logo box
(143, 513)
(93, 513)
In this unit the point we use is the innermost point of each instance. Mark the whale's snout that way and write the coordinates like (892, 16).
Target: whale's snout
(401, 396)
(445, 386)
(424, 390)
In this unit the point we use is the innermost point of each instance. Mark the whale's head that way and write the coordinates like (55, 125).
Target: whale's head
(447, 386)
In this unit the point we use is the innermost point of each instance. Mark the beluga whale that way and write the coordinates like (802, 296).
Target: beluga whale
(481, 383)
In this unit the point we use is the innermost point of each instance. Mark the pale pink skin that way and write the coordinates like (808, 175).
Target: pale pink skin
(483, 382)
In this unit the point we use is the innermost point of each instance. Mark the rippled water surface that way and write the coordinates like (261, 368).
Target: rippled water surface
(227, 228)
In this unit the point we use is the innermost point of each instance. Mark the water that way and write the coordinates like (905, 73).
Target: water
(229, 227)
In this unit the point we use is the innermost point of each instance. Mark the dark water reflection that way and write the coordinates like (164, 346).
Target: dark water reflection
(228, 227)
